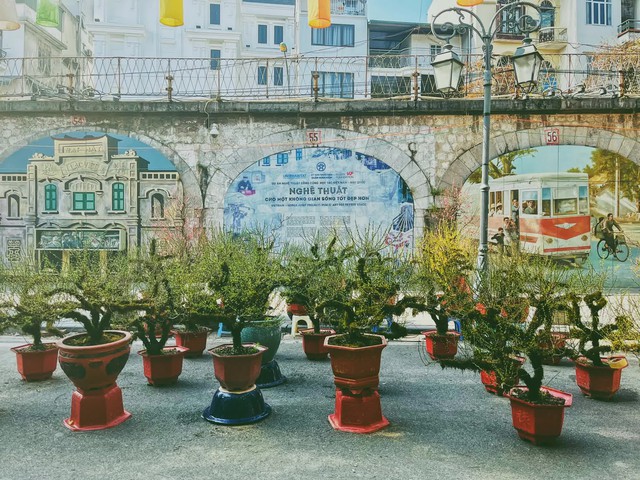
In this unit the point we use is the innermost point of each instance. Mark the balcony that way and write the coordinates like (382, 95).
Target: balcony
(348, 7)
(628, 30)
(553, 38)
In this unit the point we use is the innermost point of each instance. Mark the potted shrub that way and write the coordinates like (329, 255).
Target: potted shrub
(443, 265)
(597, 376)
(313, 273)
(372, 276)
(96, 288)
(27, 301)
(242, 272)
(157, 307)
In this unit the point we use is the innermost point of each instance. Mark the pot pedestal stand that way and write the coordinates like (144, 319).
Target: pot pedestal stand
(270, 375)
(97, 409)
(358, 412)
(236, 408)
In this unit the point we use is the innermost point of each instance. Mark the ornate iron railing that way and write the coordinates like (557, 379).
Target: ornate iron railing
(314, 78)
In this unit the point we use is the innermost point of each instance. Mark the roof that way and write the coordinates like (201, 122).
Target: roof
(536, 177)
(272, 2)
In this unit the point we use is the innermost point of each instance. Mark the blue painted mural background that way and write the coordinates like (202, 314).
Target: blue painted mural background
(301, 191)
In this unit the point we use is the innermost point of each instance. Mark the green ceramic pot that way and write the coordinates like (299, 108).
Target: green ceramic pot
(266, 334)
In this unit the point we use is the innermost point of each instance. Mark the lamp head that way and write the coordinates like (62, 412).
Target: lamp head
(526, 63)
(447, 68)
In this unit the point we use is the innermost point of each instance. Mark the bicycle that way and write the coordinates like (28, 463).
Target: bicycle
(621, 251)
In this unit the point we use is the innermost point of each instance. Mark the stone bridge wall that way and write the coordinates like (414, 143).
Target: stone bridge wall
(430, 143)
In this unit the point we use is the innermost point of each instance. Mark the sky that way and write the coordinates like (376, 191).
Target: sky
(399, 10)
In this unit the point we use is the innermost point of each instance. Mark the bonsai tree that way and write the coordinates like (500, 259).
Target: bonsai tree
(241, 272)
(154, 301)
(591, 333)
(28, 300)
(373, 278)
(443, 264)
(313, 273)
(95, 289)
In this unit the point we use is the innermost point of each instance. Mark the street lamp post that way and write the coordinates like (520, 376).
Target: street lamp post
(448, 68)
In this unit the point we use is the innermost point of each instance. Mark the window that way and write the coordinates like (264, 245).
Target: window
(282, 158)
(14, 206)
(546, 201)
(117, 197)
(215, 59)
(599, 12)
(50, 197)
(157, 205)
(278, 34)
(278, 76)
(84, 201)
(262, 75)
(298, 154)
(509, 19)
(583, 199)
(529, 204)
(435, 50)
(335, 36)
(335, 84)
(547, 14)
(214, 14)
(262, 34)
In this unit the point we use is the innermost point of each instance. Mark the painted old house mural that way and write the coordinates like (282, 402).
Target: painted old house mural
(103, 192)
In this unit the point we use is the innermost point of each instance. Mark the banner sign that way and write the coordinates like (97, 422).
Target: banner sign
(307, 190)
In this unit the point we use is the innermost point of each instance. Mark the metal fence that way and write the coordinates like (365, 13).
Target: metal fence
(313, 78)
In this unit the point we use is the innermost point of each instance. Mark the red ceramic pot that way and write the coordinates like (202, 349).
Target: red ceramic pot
(296, 309)
(358, 368)
(600, 383)
(194, 342)
(536, 423)
(35, 365)
(237, 373)
(163, 369)
(490, 382)
(97, 404)
(313, 343)
(441, 347)
(95, 366)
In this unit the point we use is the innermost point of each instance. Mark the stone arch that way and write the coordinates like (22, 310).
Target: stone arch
(470, 160)
(191, 188)
(416, 178)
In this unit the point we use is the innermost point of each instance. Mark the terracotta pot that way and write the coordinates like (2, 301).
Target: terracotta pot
(356, 369)
(539, 424)
(36, 365)
(441, 347)
(296, 309)
(163, 369)
(237, 373)
(194, 342)
(97, 403)
(490, 382)
(95, 366)
(600, 383)
(313, 343)
(558, 342)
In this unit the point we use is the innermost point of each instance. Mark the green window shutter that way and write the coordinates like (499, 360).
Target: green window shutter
(48, 13)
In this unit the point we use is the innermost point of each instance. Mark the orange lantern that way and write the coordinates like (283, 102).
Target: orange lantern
(319, 13)
(171, 13)
(469, 3)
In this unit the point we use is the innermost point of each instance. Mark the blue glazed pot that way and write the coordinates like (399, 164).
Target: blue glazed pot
(266, 335)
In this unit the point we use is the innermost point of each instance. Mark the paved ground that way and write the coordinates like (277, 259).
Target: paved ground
(443, 426)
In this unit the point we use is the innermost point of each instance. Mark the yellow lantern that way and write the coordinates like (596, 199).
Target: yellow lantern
(171, 13)
(469, 3)
(8, 15)
(319, 13)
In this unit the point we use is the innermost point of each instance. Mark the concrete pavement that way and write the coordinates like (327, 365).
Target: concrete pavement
(443, 425)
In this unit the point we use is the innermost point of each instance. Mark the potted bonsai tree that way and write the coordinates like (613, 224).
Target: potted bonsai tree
(95, 288)
(444, 263)
(313, 273)
(372, 276)
(242, 272)
(157, 308)
(597, 376)
(27, 301)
